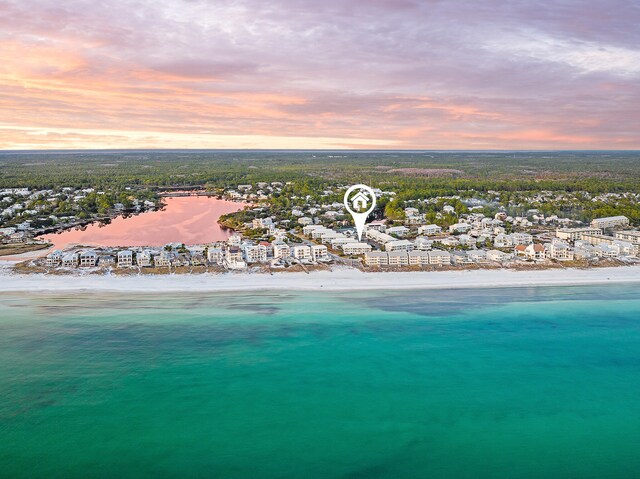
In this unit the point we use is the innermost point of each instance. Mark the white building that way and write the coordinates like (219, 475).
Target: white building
(88, 258)
(356, 248)
(418, 258)
(429, 230)
(319, 252)
(399, 245)
(301, 252)
(498, 256)
(376, 258)
(399, 231)
(125, 258)
(630, 236)
(610, 222)
(54, 258)
(215, 255)
(144, 258)
(70, 260)
(398, 258)
(281, 250)
(459, 228)
(573, 234)
(438, 257)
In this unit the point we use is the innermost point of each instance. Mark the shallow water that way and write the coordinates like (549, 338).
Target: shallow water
(184, 219)
(518, 382)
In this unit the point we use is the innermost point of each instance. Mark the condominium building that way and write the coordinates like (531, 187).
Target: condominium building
(439, 257)
(630, 236)
(418, 258)
(88, 258)
(301, 252)
(376, 258)
(429, 230)
(356, 248)
(610, 222)
(573, 234)
(399, 245)
(398, 258)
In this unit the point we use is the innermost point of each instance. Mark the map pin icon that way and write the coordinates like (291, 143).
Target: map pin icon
(359, 200)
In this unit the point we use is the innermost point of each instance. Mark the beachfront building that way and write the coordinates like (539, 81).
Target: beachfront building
(70, 260)
(630, 236)
(301, 252)
(429, 230)
(574, 234)
(439, 257)
(164, 259)
(54, 258)
(559, 250)
(125, 258)
(498, 256)
(215, 255)
(234, 255)
(478, 256)
(399, 245)
(418, 258)
(534, 251)
(144, 259)
(281, 250)
(398, 258)
(88, 258)
(319, 252)
(235, 240)
(356, 248)
(610, 222)
(376, 258)
(254, 254)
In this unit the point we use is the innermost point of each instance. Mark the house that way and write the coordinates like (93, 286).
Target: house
(54, 258)
(70, 260)
(215, 255)
(466, 240)
(498, 256)
(301, 252)
(144, 258)
(399, 231)
(610, 222)
(376, 258)
(535, 251)
(125, 258)
(449, 210)
(477, 255)
(106, 260)
(422, 243)
(234, 240)
(399, 245)
(459, 228)
(460, 258)
(88, 258)
(164, 259)
(429, 230)
(559, 250)
(305, 220)
(356, 248)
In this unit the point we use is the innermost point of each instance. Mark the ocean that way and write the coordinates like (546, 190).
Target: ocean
(531, 382)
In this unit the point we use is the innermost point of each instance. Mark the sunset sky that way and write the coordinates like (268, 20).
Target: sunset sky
(320, 74)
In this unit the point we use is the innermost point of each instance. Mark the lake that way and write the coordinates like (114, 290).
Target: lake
(184, 219)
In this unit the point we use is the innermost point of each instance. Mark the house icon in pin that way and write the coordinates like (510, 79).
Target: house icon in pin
(360, 201)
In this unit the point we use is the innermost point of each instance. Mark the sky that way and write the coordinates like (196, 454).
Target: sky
(369, 74)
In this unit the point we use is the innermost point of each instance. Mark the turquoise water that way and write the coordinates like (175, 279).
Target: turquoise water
(499, 383)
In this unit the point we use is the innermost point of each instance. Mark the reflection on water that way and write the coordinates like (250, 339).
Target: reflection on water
(186, 219)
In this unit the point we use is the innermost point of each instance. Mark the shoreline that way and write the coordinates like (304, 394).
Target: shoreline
(337, 280)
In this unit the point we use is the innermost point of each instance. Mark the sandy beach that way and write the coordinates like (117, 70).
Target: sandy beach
(336, 280)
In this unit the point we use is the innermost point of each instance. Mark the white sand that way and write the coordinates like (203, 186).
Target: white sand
(337, 280)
